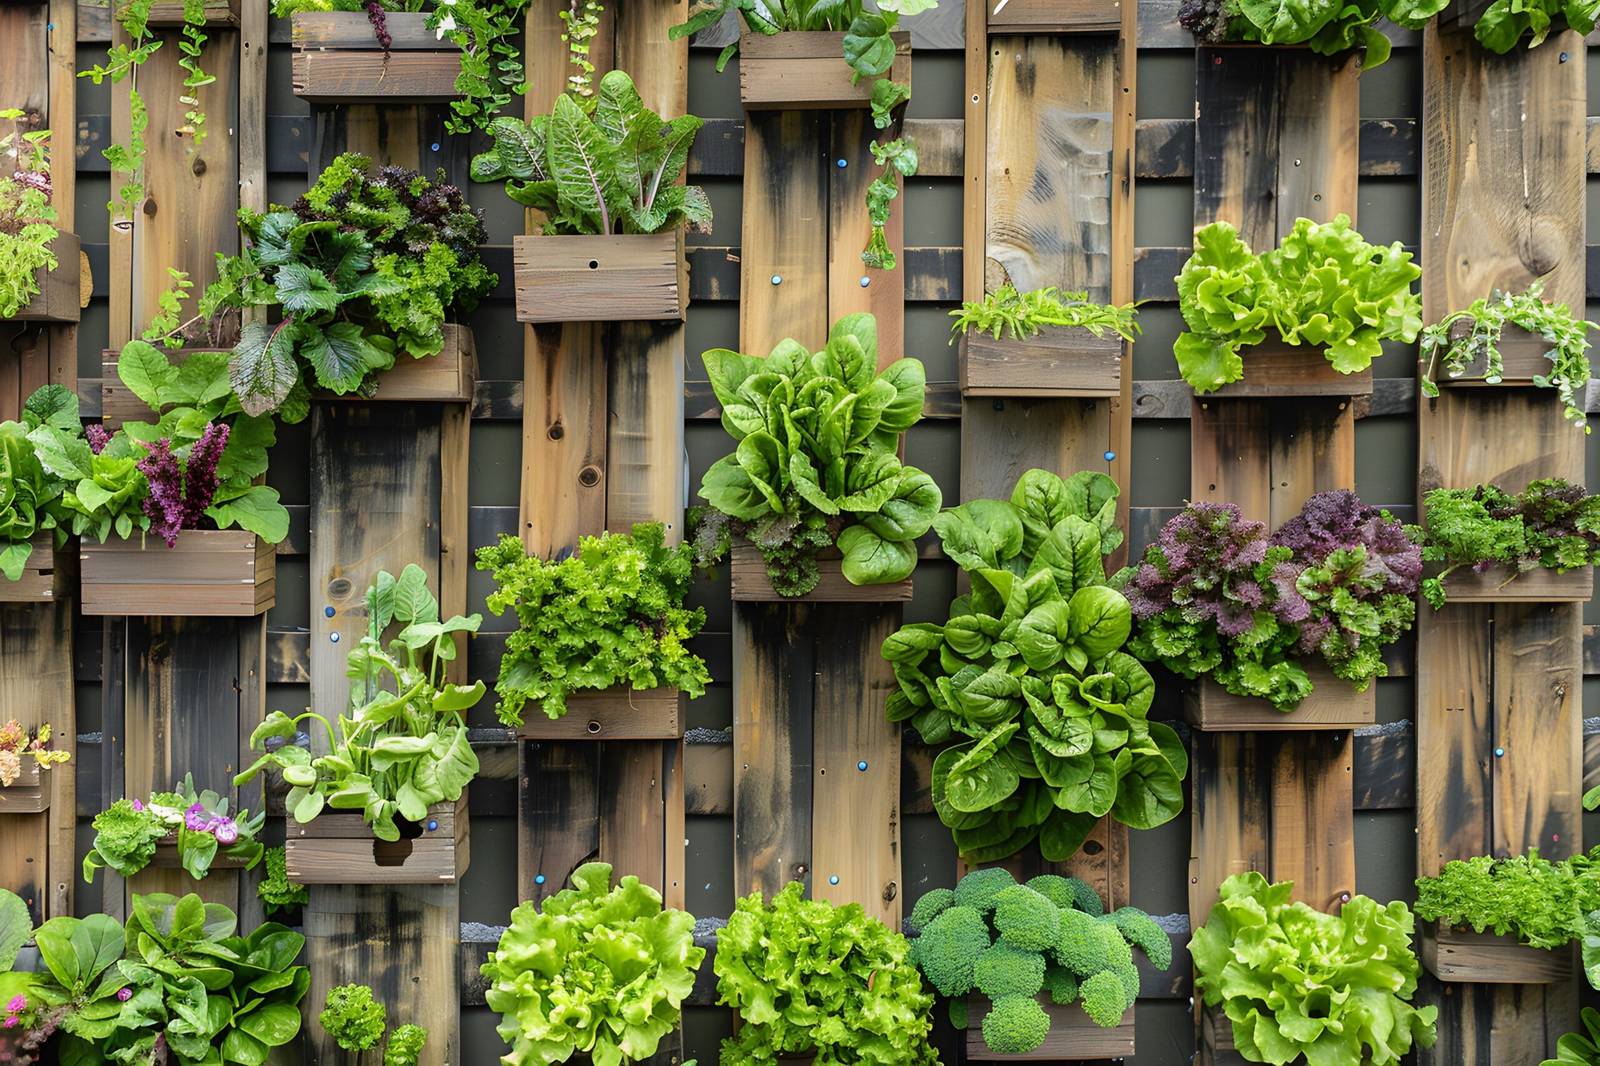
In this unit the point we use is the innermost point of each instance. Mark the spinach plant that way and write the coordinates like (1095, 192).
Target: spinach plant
(1323, 286)
(1020, 315)
(364, 268)
(75, 999)
(816, 463)
(1505, 22)
(27, 217)
(600, 166)
(128, 831)
(30, 495)
(404, 745)
(1579, 1048)
(1327, 28)
(1040, 717)
(1488, 318)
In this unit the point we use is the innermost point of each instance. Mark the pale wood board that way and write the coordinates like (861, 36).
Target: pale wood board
(617, 713)
(1072, 1035)
(806, 69)
(1463, 955)
(607, 278)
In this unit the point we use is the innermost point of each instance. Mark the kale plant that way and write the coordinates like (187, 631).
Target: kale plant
(1543, 904)
(1327, 28)
(1023, 315)
(1010, 942)
(364, 268)
(27, 218)
(1488, 318)
(609, 614)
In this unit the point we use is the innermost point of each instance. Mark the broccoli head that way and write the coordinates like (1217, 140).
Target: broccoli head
(1061, 984)
(929, 907)
(353, 1018)
(1015, 1025)
(1003, 970)
(1128, 974)
(1104, 999)
(1026, 919)
(1055, 888)
(949, 947)
(1081, 946)
(979, 888)
(1142, 931)
(1116, 949)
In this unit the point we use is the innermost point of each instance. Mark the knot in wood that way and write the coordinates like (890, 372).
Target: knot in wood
(339, 588)
(199, 167)
(149, 207)
(589, 477)
(890, 891)
(556, 431)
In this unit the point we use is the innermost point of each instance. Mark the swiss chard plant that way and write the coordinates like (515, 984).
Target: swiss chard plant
(817, 462)
(1020, 315)
(1327, 28)
(1323, 287)
(361, 271)
(1487, 319)
(128, 832)
(598, 968)
(601, 165)
(30, 495)
(807, 976)
(1217, 597)
(1039, 715)
(1543, 904)
(1294, 981)
(1552, 524)
(609, 614)
(1014, 944)
(403, 747)
(27, 217)
(194, 466)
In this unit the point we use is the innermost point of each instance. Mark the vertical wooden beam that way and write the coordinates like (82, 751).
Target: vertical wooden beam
(1498, 706)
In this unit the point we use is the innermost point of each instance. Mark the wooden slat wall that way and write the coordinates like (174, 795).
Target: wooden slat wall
(1049, 200)
(36, 43)
(1499, 703)
(1279, 119)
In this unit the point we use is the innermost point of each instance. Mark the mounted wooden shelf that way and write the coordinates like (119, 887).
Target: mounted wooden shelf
(447, 377)
(338, 848)
(1058, 361)
(118, 404)
(29, 793)
(58, 298)
(211, 573)
(47, 575)
(1522, 358)
(1332, 704)
(619, 278)
(1500, 585)
(1461, 955)
(806, 70)
(1072, 1036)
(168, 14)
(1274, 370)
(618, 713)
(748, 571)
(337, 59)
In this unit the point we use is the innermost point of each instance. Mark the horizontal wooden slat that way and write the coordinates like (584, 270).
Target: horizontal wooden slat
(618, 713)
(1332, 704)
(408, 32)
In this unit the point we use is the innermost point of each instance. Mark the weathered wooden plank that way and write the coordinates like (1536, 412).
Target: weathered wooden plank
(772, 752)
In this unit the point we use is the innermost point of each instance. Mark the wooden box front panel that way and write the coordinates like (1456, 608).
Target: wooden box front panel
(339, 849)
(30, 792)
(748, 574)
(337, 58)
(620, 278)
(1522, 358)
(118, 404)
(1072, 1036)
(45, 575)
(1273, 369)
(1454, 955)
(214, 573)
(58, 298)
(168, 14)
(1332, 704)
(806, 70)
(1061, 361)
(1498, 584)
(617, 713)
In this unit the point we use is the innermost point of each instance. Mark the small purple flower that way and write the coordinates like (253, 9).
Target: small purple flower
(124, 993)
(18, 1004)
(98, 437)
(227, 832)
(10, 1021)
(138, 806)
(194, 819)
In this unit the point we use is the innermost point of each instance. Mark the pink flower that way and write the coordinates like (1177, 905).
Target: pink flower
(195, 819)
(124, 994)
(18, 1004)
(227, 832)
(10, 1022)
(138, 806)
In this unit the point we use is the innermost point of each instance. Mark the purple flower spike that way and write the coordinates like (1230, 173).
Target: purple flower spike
(98, 437)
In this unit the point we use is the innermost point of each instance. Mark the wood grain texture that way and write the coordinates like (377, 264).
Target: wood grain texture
(1523, 357)
(210, 573)
(338, 848)
(58, 299)
(783, 280)
(1058, 361)
(773, 666)
(1484, 958)
(1057, 16)
(852, 286)
(607, 278)
(47, 576)
(1072, 1036)
(1275, 370)
(36, 688)
(1499, 584)
(806, 69)
(618, 713)
(747, 572)
(1332, 704)
(351, 30)
(558, 815)
(168, 14)
(361, 77)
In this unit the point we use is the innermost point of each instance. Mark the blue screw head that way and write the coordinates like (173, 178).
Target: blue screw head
(333, 637)
(538, 879)
(1563, 57)
(1110, 455)
(865, 281)
(777, 279)
(833, 880)
(862, 765)
(327, 612)
(435, 146)
(433, 823)
(1499, 753)
(843, 163)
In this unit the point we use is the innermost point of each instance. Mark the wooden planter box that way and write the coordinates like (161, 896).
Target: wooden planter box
(617, 713)
(166, 14)
(117, 403)
(337, 848)
(1498, 584)
(1072, 1036)
(58, 299)
(1333, 704)
(29, 793)
(1522, 357)
(47, 576)
(1055, 16)
(1484, 958)
(806, 70)
(166, 857)
(601, 279)
(748, 571)
(1058, 361)
(337, 59)
(1273, 369)
(214, 573)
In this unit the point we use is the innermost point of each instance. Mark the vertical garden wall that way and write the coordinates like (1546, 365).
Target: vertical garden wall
(1058, 143)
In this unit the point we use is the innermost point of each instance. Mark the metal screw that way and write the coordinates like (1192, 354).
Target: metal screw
(777, 279)
(1110, 455)
(1499, 753)
(538, 879)
(862, 765)
(843, 163)
(334, 637)
(834, 879)
(433, 823)
(435, 146)
(865, 281)
(327, 612)
(1563, 57)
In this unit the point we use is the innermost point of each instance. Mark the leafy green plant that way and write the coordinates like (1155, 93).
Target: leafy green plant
(808, 976)
(353, 1018)
(1505, 22)
(1552, 524)
(816, 462)
(1580, 1048)
(1296, 981)
(77, 992)
(127, 832)
(1020, 315)
(598, 969)
(1488, 317)
(403, 747)
(611, 613)
(27, 217)
(610, 169)
(1323, 286)
(364, 269)
(1543, 904)
(1328, 28)
(277, 893)
(18, 742)
(30, 495)
(1016, 944)
(1039, 715)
